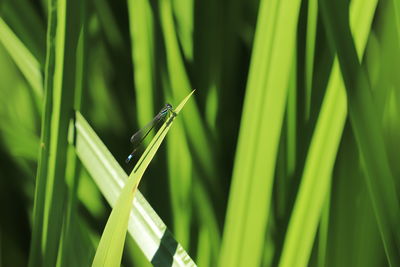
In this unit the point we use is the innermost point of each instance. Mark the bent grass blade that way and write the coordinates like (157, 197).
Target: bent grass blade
(109, 251)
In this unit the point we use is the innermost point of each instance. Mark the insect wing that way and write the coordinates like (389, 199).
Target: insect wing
(143, 132)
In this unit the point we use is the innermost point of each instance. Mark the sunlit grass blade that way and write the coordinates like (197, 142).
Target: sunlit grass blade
(367, 129)
(18, 115)
(322, 153)
(203, 251)
(323, 234)
(23, 17)
(145, 226)
(143, 57)
(109, 251)
(397, 17)
(260, 129)
(184, 14)
(23, 58)
(90, 149)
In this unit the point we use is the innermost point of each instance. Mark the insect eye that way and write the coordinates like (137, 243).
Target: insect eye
(169, 106)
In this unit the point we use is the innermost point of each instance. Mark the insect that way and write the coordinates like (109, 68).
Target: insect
(138, 137)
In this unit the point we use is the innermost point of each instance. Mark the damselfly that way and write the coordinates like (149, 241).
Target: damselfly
(138, 137)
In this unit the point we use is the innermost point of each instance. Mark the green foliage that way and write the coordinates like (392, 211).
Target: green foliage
(368, 133)
(321, 157)
(286, 155)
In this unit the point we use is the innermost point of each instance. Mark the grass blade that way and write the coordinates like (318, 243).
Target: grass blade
(184, 13)
(145, 226)
(24, 19)
(26, 62)
(324, 231)
(70, 235)
(180, 83)
(250, 194)
(322, 154)
(196, 135)
(396, 10)
(367, 130)
(358, 222)
(312, 16)
(61, 64)
(109, 251)
(35, 253)
(141, 29)
(180, 169)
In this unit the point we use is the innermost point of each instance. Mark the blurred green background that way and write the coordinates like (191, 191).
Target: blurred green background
(286, 155)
